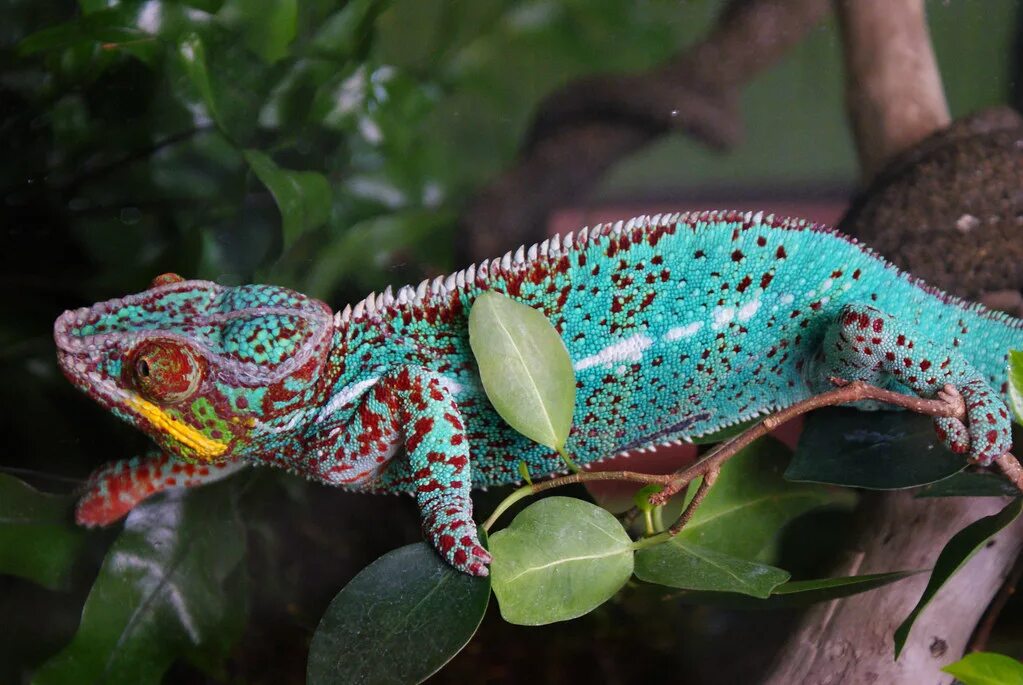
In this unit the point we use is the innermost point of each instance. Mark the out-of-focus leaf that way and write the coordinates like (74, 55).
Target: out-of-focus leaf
(957, 551)
(344, 32)
(170, 587)
(967, 484)
(399, 621)
(110, 28)
(267, 26)
(986, 668)
(525, 368)
(303, 197)
(560, 558)
(751, 502)
(38, 538)
(874, 450)
(193, 56)
(688, 566)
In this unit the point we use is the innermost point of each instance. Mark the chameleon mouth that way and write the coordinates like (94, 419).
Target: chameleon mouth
(203, 447)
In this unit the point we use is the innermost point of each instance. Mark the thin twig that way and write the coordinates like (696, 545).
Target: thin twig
(979, 639)
(701, 492)
(947, 403)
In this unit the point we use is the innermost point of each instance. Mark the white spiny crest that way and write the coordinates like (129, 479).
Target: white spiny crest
(655, 220)
(470, 275)
(583, 236)
(483, 271)
(567, 240)
(531, 253)
(460, 279)
(506, 261)
(545, 247)
(520, 256)
(360, 308)
(437, 285)
(422, 288)
(629, 225)
(387, 298)
(346, 314)
(757, 218)
(449, 282)
(554, 247)
(371, 303)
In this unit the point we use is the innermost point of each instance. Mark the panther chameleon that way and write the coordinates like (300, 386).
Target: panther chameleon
(677, 326)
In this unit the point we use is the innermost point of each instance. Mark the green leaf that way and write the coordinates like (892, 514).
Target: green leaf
(525, 368)
(873, 450)
(559, 559)
(971, 484)
(1016, 384)
(38, 538)
(796, 593)
(267, 26)
(986, 668)
(170, 586)
(749, 504)
(688, 566)
(957, 551)
(399, 621)
(193, 56)
(303, 197)
(342, 33)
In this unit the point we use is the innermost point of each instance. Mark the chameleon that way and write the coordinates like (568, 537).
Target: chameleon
(678, 325)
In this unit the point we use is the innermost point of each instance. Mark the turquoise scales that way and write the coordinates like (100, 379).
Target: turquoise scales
(677, 326)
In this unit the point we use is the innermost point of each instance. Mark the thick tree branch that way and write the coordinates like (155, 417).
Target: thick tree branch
(583, 129)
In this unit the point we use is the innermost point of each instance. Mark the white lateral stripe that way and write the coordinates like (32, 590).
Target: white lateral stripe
(345, 396)
(687, 331)
(630, 349)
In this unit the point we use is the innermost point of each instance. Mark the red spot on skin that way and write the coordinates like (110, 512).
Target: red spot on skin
(699, 254)
(761, 241)
(460, 557)
(743, 284)
(924, 365)
(856, 275)
(878, 325)
(780, 253)
(890, 356)
(737, 256)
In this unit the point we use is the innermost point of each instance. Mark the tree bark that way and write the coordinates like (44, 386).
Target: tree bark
(896, 103)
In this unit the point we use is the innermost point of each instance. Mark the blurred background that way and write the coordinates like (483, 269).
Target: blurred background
(338, 147)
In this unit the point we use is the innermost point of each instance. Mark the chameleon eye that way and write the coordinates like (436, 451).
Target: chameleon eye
(165, 371)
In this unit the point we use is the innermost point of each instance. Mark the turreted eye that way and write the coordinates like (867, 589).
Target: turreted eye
(165, 279)
(165, 371)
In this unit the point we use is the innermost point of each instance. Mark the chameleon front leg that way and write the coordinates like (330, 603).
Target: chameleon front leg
(115, 488)
(414, 406)
(869, 345)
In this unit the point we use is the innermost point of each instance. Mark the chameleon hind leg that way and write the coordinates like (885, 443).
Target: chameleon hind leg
(115, 488)
(867, 344)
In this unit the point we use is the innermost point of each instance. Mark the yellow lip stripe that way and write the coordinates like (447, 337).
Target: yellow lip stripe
(204, 448)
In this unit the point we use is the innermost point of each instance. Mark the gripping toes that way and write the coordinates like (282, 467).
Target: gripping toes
(987, 427)
(448, 525)
(868, 344)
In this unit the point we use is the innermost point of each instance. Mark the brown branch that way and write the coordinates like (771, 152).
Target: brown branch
(894, 94)
(948, 403)
(701, 492)
(583, 129)
(979, 639)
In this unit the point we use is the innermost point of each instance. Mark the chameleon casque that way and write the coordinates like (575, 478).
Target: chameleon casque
(677, 325)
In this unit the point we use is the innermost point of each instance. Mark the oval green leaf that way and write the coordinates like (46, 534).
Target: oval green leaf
(38, 539)
(399, 621)
(559, 559)
(525, 368)
(688, 566)
(303, 197)
(959, 550)
(1016, 384)
(873, 450)
(170, 586)
(986, 668)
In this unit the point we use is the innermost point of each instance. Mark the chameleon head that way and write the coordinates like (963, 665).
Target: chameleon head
(204, 369)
